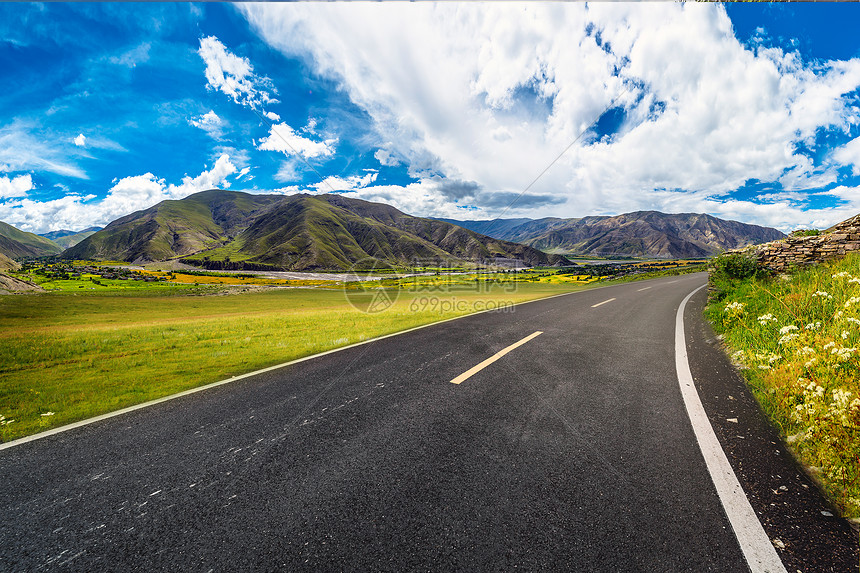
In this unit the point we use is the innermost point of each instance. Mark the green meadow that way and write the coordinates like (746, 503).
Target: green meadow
(69, 355)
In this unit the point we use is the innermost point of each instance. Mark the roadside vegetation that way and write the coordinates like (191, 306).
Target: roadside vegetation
(797, 338)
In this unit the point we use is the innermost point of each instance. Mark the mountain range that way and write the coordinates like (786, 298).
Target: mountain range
(65, 238)
(639, 234)
(233, 230)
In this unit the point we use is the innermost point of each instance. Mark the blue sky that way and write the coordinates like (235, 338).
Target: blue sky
(747, 112)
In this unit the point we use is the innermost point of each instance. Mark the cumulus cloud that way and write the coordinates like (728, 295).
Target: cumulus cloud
(127, 195)
(283, 138)
(272, 115)
(80, 140)
(335, 183)
(210, 123)
(493, 93)
(233, 75)
(15, 186)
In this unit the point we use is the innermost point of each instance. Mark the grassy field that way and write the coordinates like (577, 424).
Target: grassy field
(797, 338)
(68, 355)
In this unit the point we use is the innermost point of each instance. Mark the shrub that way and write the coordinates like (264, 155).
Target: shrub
(735, 266)
(805, 233)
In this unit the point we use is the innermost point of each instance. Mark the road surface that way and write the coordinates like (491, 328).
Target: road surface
(572, 451)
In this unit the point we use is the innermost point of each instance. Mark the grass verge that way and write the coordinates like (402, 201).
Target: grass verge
(796, 338)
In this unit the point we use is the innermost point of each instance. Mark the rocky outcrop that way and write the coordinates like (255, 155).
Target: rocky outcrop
(11, 285)
(834, 243)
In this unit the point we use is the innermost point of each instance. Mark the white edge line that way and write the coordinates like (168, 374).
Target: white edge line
(604, 302)
(754, 542)
(93, 420)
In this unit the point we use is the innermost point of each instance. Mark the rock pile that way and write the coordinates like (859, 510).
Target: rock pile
(832, 244)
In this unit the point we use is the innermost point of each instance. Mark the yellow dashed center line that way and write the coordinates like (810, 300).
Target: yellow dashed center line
(471, 371)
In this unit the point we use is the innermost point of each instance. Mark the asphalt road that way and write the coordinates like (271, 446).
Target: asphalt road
(571, 452)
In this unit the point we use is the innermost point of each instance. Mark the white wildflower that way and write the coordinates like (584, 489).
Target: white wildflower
(4, 421)
(735, 307)
(851, 301)
(763, 367)
(810, 363)
(845, 335)
(829, 345)
(853, 320)
(855, 280)
(806, 351)
(841, 405)
(787, 338)
(787, 329)
(841, 275)
(813, 326)
(765, 318)
(47, 414)
(844, 354)
(822, 294)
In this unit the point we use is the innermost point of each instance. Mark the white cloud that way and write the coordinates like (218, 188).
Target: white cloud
(80, 140)
(493, 93)
(849, 154)
(335, 183)
(128, 194)
(386, 158)
(272, 115)
(21, 149)
(210, 123)
(242, 172)
(130, 58)
(422, 199)
(233, 75)
(283, 138)
(15, 186)
(289, 171)
(212, 179)
(289, 190)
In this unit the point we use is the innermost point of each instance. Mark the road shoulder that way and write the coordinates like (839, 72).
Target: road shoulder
(788, 503)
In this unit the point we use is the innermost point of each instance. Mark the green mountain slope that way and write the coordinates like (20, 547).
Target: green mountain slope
(172, 228)
(16, 243)
(226, 229)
